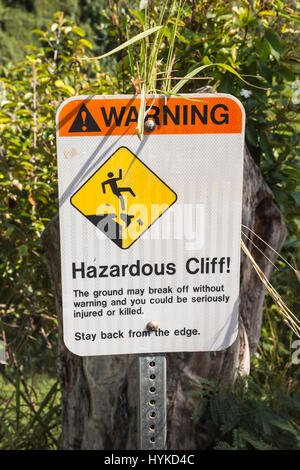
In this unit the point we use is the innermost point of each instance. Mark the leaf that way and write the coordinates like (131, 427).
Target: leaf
(64, 87)
(59, 83)
(139, 15)
(86, 43)
(23, 250)
(38, 31)
(78, 31)
(125, 44)
(263, 48)
(5, 119)
(251, 135)
(275, 44)
(267, 13)
(296, 196)
(296, 19)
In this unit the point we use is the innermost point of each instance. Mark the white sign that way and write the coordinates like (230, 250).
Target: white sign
(150, 230)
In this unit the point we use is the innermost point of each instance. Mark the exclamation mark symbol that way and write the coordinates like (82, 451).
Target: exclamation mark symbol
(83, 116)
(228, 264)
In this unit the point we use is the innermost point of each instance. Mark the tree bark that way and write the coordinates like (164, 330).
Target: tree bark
(99, 393)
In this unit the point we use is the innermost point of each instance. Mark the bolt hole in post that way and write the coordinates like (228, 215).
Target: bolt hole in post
(152, 401)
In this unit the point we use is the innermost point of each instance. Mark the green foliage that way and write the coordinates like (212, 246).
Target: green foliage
(19, 18)
(245, 421)
(32, 92)
(251, 423)
(246, 418)
(29, 413)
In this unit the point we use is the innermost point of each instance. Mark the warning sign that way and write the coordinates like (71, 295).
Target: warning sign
(84, 122)
(123, 198)
(119, 116)
(150, 230)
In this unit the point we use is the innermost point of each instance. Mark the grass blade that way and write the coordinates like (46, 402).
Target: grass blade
(45, 402)
(194, 72)
(18, 402)
(289, 318)
(141, 117)
(125, 44)
(170, 59)
(150, 78)
(188, 77)
(130, 56)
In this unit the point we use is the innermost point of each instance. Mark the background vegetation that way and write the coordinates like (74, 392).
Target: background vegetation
(259, 39)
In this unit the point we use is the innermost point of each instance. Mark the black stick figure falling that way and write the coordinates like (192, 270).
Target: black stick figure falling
(112, 182)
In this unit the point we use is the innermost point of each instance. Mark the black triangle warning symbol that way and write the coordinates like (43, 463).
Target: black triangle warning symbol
(84, 122)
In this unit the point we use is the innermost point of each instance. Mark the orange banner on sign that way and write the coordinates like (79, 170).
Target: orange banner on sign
(119, 116)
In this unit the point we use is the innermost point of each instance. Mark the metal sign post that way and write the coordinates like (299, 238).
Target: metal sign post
(152, 409)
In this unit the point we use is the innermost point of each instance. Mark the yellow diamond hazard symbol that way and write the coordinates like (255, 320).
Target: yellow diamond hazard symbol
(123, 198)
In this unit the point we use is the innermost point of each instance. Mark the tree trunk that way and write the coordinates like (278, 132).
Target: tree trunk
(99, 393)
